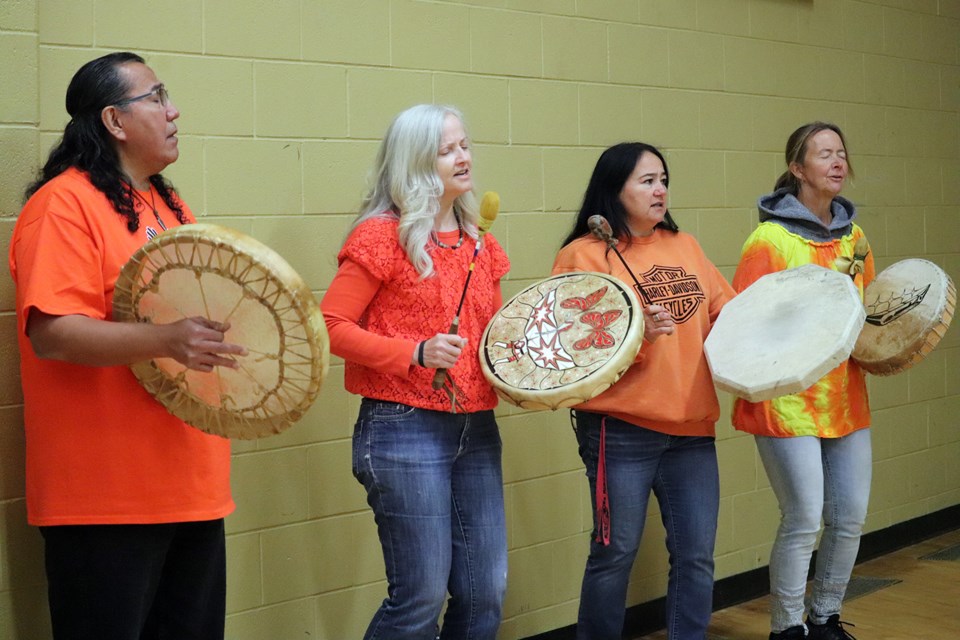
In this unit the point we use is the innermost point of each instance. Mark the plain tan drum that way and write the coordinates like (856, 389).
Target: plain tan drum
(784, 332)
(223, 275)
(909, 308)
(562, 341)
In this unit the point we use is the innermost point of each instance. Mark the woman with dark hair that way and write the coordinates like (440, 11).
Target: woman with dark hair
(653, 429)
(130, 500)
(815, 445)
(428, 458)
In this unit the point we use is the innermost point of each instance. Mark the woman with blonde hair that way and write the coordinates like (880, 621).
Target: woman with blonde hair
(429, 459)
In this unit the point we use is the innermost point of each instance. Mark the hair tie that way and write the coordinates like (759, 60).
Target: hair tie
(420, 354)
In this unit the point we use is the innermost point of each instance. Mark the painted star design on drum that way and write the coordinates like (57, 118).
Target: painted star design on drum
(541, 338)
(543, 314)
(550, 354)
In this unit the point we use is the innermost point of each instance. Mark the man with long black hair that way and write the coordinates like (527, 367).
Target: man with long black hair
(130, 500)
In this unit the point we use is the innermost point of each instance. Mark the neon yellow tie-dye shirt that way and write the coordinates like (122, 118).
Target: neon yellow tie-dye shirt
(835, 405)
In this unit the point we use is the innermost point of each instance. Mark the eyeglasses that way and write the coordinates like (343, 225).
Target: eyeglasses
(160, 91)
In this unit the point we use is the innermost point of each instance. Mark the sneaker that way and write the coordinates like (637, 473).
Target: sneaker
(798, 632)
(832, 629)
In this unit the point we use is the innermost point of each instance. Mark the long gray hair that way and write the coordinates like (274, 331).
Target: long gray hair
(406, 184)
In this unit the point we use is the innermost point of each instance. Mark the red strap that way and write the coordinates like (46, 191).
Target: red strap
(602, 498)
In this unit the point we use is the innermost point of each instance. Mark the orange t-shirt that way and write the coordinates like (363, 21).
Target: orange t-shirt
(669, 387)
(378, 309)
(100, 449)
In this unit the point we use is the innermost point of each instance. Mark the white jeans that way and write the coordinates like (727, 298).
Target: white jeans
(814, 477)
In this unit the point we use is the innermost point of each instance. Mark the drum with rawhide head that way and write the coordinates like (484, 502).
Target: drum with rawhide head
(223, 275)
(784, 332)
(562, 341)
(909, 307)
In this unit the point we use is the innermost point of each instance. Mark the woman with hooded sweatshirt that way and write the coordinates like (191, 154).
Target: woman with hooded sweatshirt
(815, 444)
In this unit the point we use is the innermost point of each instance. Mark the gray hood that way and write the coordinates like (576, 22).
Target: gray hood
(784, 209)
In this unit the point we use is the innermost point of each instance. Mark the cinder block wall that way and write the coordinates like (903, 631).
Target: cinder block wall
(283, 103)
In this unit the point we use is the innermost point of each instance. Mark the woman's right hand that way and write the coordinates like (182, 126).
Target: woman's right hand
(441, 351)
(657, 322)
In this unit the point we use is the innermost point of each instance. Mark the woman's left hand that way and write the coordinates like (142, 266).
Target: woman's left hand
(657, 322)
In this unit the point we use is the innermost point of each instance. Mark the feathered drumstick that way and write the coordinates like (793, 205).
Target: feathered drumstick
(601, 229)
(489, 208)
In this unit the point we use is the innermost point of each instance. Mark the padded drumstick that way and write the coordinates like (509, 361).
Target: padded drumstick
(489, 208)
(602, 229)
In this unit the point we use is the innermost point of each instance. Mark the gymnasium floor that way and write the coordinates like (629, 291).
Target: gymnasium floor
(910, 594)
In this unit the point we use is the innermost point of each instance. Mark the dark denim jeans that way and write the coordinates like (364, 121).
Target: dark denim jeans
(435, 485)
(682, 472)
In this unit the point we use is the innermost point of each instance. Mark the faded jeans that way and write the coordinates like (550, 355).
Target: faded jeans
(682, 472)
(813, 478)
(435, 485)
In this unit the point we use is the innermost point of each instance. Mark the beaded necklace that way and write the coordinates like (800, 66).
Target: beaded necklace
(436, 239)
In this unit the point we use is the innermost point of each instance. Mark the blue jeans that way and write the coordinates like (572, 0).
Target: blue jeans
(682, 472)
(814, 477)
(435, 485)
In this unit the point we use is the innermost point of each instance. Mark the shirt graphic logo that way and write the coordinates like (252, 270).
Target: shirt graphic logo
(672, 288)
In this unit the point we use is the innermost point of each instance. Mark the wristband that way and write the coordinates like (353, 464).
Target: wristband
(420, 354)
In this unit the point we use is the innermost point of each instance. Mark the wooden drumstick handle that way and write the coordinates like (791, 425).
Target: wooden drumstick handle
(441, 375)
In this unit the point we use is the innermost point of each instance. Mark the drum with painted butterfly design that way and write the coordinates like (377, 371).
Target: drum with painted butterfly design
(562, 341)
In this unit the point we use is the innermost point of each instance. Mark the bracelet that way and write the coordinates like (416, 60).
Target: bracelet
(420, 354)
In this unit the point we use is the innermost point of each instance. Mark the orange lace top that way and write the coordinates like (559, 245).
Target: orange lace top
(378, 309)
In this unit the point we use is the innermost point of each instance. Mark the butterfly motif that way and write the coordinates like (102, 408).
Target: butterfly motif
(598, 338)
(576, 302)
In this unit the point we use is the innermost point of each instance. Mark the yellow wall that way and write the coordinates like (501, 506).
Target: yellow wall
(283, 102)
